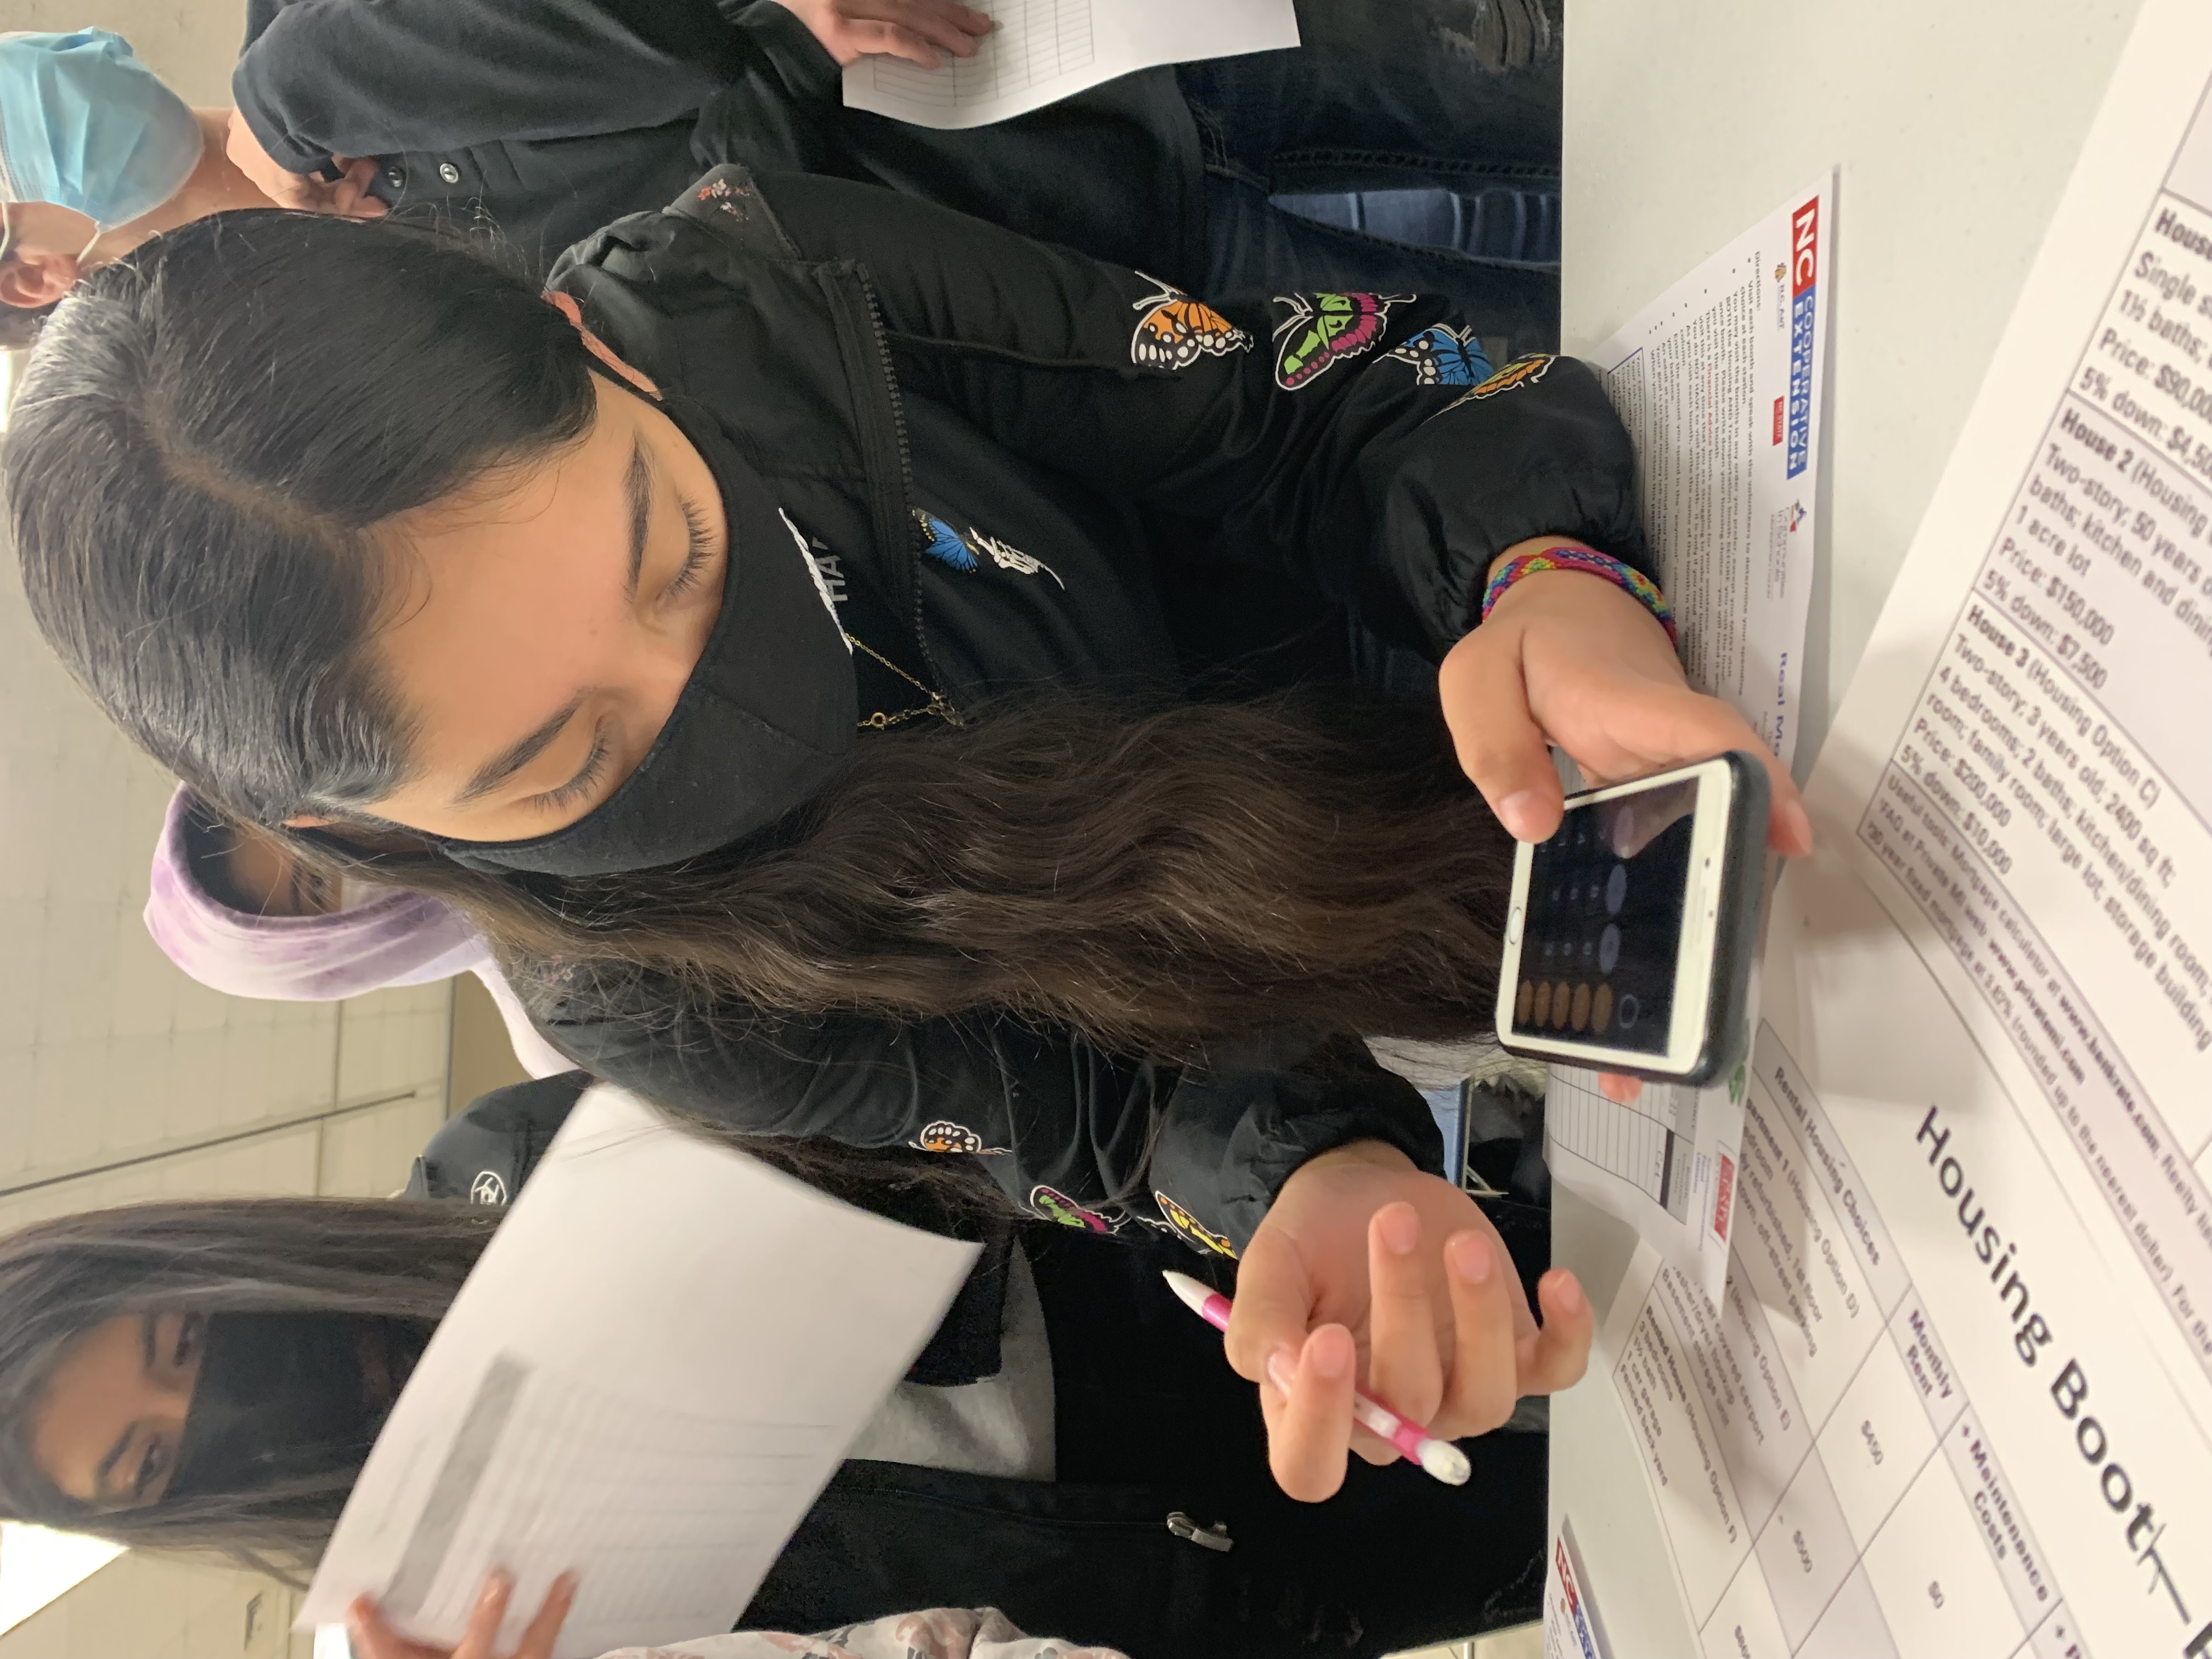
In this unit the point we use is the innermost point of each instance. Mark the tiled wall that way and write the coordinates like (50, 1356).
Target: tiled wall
(191, 43)
(119, 1077)
(142, 1607)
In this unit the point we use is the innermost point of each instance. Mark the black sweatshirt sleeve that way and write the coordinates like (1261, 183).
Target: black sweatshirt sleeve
(375, 77)
(1305, 427)
(1068, 1131)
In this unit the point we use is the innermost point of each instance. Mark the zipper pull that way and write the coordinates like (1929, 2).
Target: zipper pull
(1215, 1537)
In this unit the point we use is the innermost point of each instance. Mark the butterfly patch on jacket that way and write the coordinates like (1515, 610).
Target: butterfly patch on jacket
(1324, 329)
(1444, 355)
(1176, 330)
(1190, 1226)
(947, 1136)
(942, 543)
(1522, 371)
(1056, 1205)
(728, 197)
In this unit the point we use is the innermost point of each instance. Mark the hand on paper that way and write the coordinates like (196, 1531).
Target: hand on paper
(372, 1638)
(919, 31)
(347, 195)
(1568, 656)
(1368, 1270)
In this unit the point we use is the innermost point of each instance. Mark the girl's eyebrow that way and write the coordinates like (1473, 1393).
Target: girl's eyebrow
(505, 764)
(637, 489)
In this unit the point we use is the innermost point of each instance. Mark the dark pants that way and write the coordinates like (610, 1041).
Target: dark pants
(1385, 95)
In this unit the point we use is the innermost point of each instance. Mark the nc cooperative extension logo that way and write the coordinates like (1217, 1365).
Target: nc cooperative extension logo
(1804, 284)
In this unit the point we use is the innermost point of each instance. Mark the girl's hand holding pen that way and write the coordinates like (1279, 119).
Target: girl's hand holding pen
(1437, 1327)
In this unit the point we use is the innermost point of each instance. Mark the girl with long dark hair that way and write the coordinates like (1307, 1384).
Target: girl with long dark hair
(834, 685)
(209, 1377)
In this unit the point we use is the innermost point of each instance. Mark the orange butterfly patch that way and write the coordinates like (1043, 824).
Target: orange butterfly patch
(1176, 330)
(1192, 1227)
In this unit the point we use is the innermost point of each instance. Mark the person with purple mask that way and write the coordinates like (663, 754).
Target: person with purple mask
(242, 916)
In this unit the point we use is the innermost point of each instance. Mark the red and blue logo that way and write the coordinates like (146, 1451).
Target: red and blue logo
(1804, 290)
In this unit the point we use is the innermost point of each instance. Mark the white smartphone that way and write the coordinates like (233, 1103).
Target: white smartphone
(1629, 936)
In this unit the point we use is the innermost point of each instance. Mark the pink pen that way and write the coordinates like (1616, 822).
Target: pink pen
(1439, 1457)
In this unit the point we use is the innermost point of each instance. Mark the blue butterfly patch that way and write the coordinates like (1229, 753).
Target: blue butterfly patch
(1444, 355)
(946, 545)
(942, 543)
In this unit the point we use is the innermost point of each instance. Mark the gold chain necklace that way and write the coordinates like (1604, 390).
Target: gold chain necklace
(937, 704)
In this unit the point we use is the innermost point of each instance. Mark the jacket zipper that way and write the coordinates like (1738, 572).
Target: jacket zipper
(1215, 1537)
(894, 524)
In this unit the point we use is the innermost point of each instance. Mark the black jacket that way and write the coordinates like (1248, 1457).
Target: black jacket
(873, 356)
(1149, 1422)
(552, 117)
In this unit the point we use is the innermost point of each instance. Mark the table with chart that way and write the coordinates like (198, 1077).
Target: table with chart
(1820, 1470)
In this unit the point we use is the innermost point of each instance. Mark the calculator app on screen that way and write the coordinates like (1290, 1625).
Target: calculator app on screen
(1602, 933)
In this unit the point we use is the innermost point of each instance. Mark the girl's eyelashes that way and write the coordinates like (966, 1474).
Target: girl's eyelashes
(190, 1329)
(595, 765)
(698, 550)
(150, 1466)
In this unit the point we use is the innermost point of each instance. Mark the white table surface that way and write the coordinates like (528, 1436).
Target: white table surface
(1955, 124)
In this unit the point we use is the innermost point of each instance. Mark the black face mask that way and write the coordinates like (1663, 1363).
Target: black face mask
(284, 1397)
(764, 722)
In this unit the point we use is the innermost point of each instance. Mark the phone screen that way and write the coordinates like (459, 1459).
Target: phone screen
(1601, 935)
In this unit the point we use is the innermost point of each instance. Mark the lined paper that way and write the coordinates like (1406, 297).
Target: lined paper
(649, 1376)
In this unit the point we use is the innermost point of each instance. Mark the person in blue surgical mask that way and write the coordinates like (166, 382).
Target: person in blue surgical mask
(96, 154)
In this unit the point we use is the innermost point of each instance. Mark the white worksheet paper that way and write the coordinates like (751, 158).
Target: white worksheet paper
(648, 1377)
(1719, 383)
(1956, 1402)
(1043, 50)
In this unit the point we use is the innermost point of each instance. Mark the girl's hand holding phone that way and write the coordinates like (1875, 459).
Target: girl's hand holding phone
(1368, 1271)
(1569, 657)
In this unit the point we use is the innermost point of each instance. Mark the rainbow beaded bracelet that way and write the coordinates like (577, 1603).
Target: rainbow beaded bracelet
(1630, 580)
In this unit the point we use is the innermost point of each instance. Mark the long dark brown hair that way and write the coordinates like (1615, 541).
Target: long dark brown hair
(60, 1279)
(1157, 881)
(204, 449)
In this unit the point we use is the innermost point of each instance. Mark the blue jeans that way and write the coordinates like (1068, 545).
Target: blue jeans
(1388, 95)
